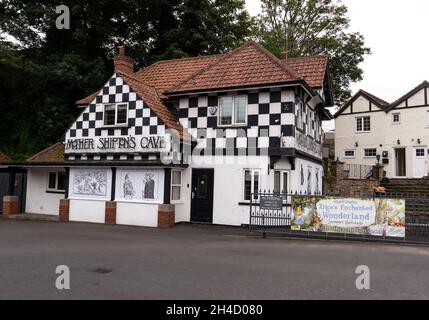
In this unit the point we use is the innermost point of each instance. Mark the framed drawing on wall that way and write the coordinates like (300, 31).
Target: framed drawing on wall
(140, 185)
(90, 183)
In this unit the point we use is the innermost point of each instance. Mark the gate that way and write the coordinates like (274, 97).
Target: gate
(265, 218)
(279, 219)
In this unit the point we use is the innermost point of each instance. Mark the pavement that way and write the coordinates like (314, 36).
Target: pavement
(198, 262)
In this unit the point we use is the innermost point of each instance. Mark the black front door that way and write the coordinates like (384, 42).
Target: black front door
(202, 195)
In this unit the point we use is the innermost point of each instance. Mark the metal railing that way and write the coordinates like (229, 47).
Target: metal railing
(358, 171)
(279, 220)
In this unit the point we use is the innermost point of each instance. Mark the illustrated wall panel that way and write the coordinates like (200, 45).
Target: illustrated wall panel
(140, 185)
(90, 183)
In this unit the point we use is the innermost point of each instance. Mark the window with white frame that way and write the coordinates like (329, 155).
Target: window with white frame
(176, 185)
(232, 110)
(115, 114)
(280, 181)
(57, 181)
(251, 184)
(349, 153)
(396, 118)
(370, 152)
(363, 124)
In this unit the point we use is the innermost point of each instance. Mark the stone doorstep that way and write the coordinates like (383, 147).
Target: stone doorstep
(33, 217)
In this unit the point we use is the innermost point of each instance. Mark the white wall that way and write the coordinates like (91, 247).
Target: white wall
(137, 214)
(38, 200)
(87, 210)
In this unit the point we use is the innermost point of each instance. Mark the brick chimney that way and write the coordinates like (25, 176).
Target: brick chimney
(123, 63)
(284, 55)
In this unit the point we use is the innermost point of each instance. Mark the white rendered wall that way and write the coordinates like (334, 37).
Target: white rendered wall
(87, 210)
(137, 214)
(38, 200)
(229, 185)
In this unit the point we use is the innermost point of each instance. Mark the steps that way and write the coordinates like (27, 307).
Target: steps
(416, 194)
(418, 187)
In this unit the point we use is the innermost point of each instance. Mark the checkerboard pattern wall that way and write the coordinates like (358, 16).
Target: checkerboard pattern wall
(270, 115)
(141, 119)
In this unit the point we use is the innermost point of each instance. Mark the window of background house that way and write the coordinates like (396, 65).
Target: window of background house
(396, 118)
(115, 114)
(363, 124)
(280, 182)
(251, 184)
(57, 181)
(233, 110)
(371, 152)
(349, 153)
(176, 185)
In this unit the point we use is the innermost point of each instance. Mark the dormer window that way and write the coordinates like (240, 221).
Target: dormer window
(232, 110)
(115, 114)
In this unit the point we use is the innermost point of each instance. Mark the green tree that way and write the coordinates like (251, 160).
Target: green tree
(314, 27)
(47, 70)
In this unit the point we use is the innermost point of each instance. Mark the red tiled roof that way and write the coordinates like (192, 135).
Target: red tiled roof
(248, 65)
(87, 100)
(312, 69)
(168, 73)
(150, 96)
(52, 154)
(3, 157)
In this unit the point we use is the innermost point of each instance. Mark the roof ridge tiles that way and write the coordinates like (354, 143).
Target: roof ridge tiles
(234, 52)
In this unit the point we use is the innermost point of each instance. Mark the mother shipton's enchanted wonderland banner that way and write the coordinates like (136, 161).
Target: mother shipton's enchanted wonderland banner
(377, 217)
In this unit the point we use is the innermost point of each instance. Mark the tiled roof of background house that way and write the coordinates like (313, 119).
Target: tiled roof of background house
(312, 69)
(248, 65)
(52, 154)
(383, 105)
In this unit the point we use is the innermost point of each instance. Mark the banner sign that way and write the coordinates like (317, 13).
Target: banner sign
(376, 217)
(271, 203)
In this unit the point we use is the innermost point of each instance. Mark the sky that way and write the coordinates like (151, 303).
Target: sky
(397, 33)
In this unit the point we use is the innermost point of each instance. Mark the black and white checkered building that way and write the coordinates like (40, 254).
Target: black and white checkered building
(142, 121)
(271, 119)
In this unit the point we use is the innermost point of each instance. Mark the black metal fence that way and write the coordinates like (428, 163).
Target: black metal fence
(278, 219)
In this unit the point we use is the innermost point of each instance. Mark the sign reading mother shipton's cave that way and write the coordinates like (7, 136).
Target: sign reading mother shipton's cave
(149, 143)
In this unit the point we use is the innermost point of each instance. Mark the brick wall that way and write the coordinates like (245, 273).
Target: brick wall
(342, 185)
(64, 210)
(166, 216)
(110, 213)
(10, 205)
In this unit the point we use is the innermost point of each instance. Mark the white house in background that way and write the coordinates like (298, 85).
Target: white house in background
(367, 126)
(252, 121)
